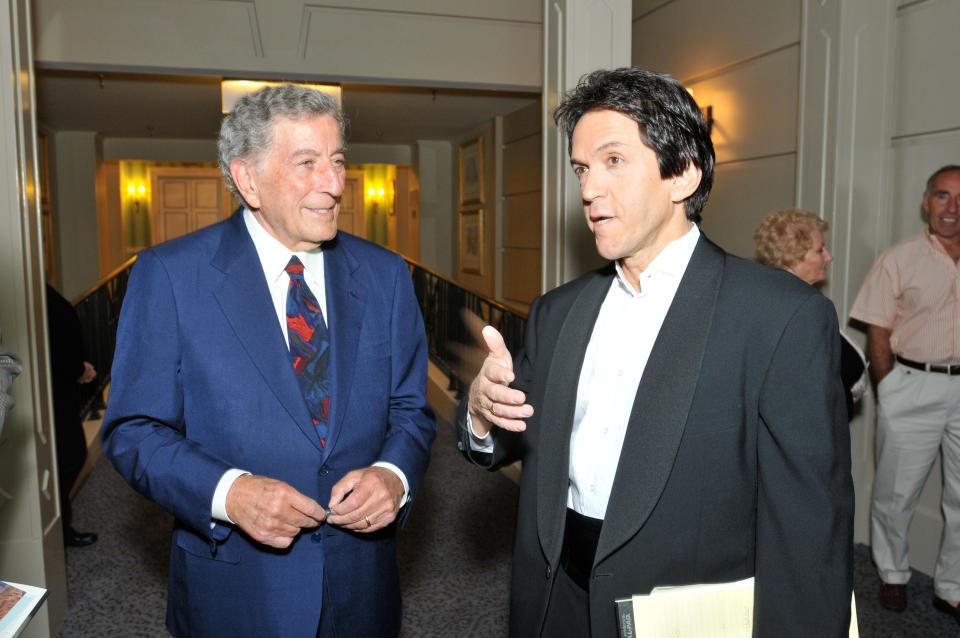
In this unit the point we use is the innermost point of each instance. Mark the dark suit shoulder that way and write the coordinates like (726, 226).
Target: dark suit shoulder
(764, 283)
(566, 293)
(200, 242)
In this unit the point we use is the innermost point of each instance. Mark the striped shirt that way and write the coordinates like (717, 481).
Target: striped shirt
(913, 289)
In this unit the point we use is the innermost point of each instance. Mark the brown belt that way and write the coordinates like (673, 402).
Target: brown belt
(930, 367)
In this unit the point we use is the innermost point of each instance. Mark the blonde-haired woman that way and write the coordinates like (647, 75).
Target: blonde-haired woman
(795, 240)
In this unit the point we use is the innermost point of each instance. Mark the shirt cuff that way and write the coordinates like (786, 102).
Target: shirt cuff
(403, 479)
(218, 509)
(479, 443)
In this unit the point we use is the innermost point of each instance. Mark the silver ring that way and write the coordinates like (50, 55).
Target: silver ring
(367, 518)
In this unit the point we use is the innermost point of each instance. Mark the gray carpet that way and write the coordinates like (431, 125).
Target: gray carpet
(454, 562)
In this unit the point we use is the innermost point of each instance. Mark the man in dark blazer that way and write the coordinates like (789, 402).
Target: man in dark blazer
(269, 391)
(68, 369)
(679, 413)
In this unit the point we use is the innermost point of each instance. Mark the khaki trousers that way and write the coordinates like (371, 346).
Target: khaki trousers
(918, 416)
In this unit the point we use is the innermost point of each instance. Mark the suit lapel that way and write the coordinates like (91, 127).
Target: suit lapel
(346, 298)
(559, 404)
(663, 401)
(245, 300)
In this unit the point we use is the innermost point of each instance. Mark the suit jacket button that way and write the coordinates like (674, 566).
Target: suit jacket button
(460, 445)
(549, 572)
(316, 537)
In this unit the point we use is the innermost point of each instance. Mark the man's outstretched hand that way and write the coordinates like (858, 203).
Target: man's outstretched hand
(491, 401)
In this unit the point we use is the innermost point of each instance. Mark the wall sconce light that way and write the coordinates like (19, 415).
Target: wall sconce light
(707, 112)
(233, 90)
(136, 191)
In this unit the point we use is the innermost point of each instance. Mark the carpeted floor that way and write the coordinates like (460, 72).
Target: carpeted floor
(454, 561)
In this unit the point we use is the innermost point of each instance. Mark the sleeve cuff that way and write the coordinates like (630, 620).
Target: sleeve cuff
(479, 443)
(218, 509)
(403, 479)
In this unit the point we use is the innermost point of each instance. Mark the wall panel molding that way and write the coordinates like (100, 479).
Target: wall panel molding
(452, 43)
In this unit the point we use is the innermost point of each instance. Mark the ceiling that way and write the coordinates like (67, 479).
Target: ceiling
(129, 105)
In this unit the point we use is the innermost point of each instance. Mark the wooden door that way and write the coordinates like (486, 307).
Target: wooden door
(351, 218)
(184, 199)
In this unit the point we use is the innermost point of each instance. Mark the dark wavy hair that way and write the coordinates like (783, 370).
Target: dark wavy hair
(670, 121)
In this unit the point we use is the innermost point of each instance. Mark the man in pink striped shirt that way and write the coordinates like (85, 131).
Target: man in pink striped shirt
(910, 302)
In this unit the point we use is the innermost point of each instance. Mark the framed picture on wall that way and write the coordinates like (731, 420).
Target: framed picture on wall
(471, 172)
(470, 246)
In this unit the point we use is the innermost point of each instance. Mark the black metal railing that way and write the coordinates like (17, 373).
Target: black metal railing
(99, 312)
(453, 316)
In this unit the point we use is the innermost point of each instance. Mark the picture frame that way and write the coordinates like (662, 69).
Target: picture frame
(470, 244)
(471, 172)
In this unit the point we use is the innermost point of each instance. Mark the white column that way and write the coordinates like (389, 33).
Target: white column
(846, 104)
(31, 544)
(74, 170)
(579, 36)
(434, 165)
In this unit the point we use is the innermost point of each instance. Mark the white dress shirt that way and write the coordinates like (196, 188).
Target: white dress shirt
(274, 257)
(626, 329)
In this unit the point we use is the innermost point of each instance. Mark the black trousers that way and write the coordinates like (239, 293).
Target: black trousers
(568, 612)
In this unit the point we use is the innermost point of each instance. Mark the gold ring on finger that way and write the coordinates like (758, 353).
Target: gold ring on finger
(367, 518)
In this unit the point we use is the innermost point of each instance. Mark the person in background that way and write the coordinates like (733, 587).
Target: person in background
(795, 240)
(269, 390)
(68, 368)
(910, 302)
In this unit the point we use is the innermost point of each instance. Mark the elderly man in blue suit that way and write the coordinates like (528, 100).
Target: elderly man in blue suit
(269, 392)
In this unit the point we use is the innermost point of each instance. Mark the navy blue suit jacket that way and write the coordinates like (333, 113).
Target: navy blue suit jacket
(202, 382)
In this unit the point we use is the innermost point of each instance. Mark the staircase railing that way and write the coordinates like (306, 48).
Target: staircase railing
(99, 311)
(453, 316)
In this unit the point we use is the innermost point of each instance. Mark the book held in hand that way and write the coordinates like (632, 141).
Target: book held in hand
(718, 610)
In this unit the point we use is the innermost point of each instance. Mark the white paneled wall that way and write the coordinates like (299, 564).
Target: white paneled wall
(691, 38)
(927, 67)
(754, 106)
(452, 42)
(742, 59)
(742, 193)
(521, 196)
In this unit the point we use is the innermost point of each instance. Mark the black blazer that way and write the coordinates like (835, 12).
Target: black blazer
(733, 464)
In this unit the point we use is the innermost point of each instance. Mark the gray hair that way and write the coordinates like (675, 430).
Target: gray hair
(247, 131)
(949, 168)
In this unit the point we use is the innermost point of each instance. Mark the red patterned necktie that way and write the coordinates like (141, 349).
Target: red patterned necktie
(309, 347)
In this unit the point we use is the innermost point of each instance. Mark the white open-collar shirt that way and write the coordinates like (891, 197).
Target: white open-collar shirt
(616, 358)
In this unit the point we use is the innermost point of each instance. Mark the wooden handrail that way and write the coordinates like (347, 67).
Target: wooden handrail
(92, 289)
(484, 298)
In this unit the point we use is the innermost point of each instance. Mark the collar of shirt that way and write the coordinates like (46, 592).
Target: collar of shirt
(936, 245)
(274, 258)
(672, 261)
